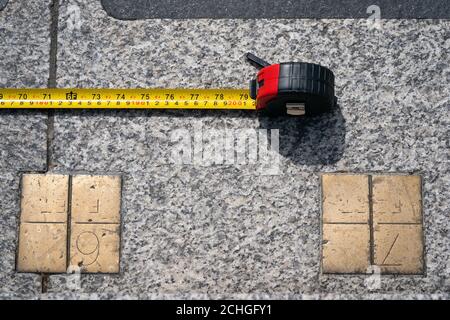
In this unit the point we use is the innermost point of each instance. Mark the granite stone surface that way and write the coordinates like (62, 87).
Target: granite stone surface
(232, 230)
(24, 34)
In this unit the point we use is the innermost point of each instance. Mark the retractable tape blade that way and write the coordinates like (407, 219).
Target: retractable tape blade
(292, 88)
(126, 99)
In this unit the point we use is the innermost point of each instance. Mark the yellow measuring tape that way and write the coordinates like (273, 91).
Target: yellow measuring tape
(126, 99)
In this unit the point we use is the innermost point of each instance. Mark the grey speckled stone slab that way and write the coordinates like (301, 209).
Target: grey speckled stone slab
(230, 231)
(199, 296)
(24, 33)
(188, 9)
(197, 230)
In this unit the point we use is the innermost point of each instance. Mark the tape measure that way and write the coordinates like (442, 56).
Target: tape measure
(293, 88)
(126, 99)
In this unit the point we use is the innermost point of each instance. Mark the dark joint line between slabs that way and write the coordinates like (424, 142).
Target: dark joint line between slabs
(401, 223)
(54, 11)
(357, 223)
(96, 223)
(44, 222)
(51, 83)
(371, 226)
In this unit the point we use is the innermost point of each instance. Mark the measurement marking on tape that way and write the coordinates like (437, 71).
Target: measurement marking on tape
(126, 99)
